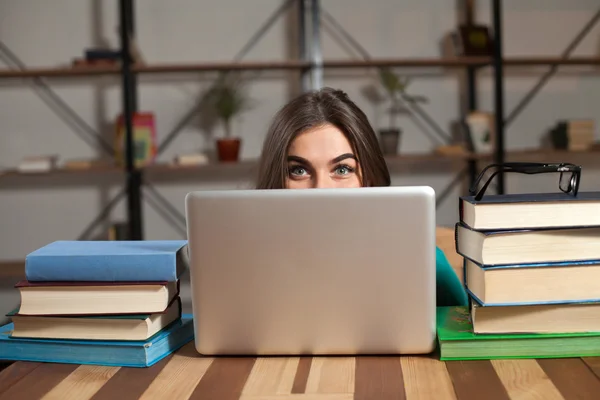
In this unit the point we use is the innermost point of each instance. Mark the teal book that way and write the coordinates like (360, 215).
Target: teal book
(108, 261)
(458, 342)
(107, 353)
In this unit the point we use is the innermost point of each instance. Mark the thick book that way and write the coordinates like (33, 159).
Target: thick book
(107, 353)
(530, 211)
(94, 327)
(457, 341)
(539, 318)
(543, 283)
(87, 298)
(106, 260)
(528, 246)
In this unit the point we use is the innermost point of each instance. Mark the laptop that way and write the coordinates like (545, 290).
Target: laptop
(313, 271)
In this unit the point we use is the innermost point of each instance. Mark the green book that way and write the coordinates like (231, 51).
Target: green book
(458, 342)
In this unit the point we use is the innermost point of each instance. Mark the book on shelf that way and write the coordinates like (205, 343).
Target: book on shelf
(573, 135)
(86, 298)
(38, 164)
(530, 210)
(94, 327)
(109, 261)
(131, 353)
(528, 246)
(457, 341)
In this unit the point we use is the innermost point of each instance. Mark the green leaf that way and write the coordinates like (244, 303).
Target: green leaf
(227, 97)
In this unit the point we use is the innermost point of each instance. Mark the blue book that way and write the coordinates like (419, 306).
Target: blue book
(107, 353)
(108, 261)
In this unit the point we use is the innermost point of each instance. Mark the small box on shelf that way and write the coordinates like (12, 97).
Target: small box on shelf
(144, 139)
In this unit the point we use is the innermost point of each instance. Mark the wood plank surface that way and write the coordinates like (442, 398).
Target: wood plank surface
(225, 379)
(525, 380)
(426, 378)
(572, 377)
(476, 380)
(331, 375)
(82, 383)
(303, 396)
(15, 372)
(187, 375)
(130, 383)
(178, 379)
(271, 376)
(304, 366)
(379, 378)
(38, 382)
(593, 363)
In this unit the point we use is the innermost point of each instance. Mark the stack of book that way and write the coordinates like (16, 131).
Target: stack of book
(574, 135)
(532, 272)
(99, 302)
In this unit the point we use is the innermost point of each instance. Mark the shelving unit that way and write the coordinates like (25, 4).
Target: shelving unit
(310, 65)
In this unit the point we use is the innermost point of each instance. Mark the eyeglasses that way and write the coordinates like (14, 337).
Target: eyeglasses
(568, 181)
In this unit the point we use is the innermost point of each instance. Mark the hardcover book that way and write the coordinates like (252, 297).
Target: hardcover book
(86, 298)
(543, 283)
(110, 261)
(530, 211)
(94, 327)
(108, 353)
(457, 341)
(536, 318)
(524, 246)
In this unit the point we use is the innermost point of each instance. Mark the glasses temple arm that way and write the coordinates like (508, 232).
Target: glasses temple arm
(485, 186)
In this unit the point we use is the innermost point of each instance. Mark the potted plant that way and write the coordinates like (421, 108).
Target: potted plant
(227, 99)
(395, 88)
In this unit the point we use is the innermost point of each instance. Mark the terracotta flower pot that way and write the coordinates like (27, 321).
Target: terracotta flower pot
(228, 150)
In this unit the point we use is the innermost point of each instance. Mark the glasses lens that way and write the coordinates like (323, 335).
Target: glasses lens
(567, 181)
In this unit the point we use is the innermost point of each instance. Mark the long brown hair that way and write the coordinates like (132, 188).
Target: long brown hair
(313, 109)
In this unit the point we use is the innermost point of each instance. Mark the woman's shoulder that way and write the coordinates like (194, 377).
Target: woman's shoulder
(441, 261)
(441, 258)
(450, 289)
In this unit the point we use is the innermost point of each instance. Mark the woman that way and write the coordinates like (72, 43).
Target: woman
(323, 140)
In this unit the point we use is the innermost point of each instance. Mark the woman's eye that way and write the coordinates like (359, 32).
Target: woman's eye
(343, 170)
(298, 171)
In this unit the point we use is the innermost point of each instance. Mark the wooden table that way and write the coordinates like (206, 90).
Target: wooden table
(186, 375)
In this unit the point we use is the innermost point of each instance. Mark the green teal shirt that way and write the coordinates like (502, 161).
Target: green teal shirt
(449, 289)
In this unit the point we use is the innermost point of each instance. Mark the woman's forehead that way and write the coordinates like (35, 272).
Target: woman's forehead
(321, 143)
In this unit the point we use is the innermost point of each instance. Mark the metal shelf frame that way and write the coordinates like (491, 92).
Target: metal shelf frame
(311, 17)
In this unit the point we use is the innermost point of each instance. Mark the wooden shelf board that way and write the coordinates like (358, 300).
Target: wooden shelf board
(409, 62)
(61, 171)
(221, 66)
(523, 61)
(551, 155)
(295, 65)
(59, 72)
(12, 269)
(461, 62)
(169, 167)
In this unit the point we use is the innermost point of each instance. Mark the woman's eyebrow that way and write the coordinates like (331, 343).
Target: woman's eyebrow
(298, 160)
(343, 157)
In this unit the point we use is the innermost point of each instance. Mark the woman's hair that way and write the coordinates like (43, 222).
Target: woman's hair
(311, 110)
